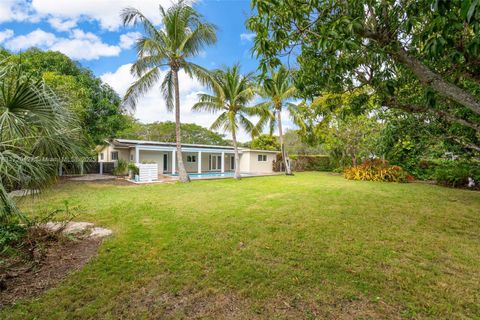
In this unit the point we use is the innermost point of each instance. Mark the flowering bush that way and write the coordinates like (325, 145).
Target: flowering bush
(377, 170)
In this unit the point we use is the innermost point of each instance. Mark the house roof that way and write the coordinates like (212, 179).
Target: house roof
(125, 143)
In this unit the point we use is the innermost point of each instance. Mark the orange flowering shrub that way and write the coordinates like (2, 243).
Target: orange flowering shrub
(377, 170)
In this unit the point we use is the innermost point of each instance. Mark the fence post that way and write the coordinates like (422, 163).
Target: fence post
(101, 168)
(60, 170)
(81, 168)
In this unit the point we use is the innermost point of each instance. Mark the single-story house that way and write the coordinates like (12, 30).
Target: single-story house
(197, 158)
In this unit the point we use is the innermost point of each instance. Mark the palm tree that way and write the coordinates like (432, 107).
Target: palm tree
(183, 35)
(37, 130)
(277, 89)
(232, 91)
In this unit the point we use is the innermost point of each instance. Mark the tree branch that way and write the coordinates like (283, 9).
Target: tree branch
(393, 103)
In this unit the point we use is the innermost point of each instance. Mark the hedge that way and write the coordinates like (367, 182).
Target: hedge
(306, 163)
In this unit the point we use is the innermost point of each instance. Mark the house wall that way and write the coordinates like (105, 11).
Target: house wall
(147, 156)
(245, 162)
(248, 159)
(249, 162)
(107, 154)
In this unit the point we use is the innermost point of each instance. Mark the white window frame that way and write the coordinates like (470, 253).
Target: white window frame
(262, 158)
(191, 159)
(101, 155)
(111, 155)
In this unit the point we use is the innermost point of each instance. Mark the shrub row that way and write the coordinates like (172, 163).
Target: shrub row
(305, 163)
(377, 170)
(457, 173)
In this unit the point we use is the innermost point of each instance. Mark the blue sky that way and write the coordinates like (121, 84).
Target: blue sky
(90, 32)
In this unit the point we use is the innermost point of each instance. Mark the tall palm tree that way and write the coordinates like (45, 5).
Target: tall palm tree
(37, 131)
(232, 92)
(277, 88)
(182, 36)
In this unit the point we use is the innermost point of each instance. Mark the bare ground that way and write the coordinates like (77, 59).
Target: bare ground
(24, 278)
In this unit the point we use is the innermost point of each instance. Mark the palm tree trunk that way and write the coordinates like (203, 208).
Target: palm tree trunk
(182, 173)
(237, 156)
(288, 170)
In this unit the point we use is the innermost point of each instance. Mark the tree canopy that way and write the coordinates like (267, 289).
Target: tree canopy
(96, 104)
(165, 131)
(416, 56)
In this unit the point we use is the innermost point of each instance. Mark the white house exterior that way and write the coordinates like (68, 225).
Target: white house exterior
(197, 158)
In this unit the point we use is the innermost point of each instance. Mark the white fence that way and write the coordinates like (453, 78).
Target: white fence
(147, 172)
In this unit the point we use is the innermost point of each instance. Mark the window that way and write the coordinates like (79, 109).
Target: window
(131, 157)
(114, 155)
(191, 159)
(101, 156)
(262, 157)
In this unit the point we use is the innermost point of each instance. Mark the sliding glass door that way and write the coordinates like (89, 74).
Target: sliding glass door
(215, 162)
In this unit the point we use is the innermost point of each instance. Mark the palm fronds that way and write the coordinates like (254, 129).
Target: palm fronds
(37, 130)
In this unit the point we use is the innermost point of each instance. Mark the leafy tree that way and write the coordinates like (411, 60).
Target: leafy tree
(182, 36)
(232, 92)
(265, 142)
(36, 132)
(165, 131)
(346, 125)
(95, 104)
(295, 145)
(277, 88)
(417, 56)
(351, 139)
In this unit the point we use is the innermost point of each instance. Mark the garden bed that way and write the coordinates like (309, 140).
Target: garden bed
(25, 278)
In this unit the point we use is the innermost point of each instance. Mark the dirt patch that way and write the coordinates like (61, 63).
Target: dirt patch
(20, 278)
(186, 304)
(153, 302)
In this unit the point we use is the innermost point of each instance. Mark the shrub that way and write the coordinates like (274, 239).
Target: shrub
(133, 168)
(11, 232)
(121, 169)
(456, 173)
(377, 170)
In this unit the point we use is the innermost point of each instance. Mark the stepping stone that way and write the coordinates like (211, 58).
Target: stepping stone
(23, 192)
(98, 232)
(85, 229)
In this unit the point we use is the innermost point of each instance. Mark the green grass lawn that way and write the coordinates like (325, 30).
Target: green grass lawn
(309, 246)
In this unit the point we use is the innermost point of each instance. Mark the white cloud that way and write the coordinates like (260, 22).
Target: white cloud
(128, 40)
(35, 38)
(5, 35)
(65, 13)
(152, 106)
(79, 45)
(106, 12)
(62, 24)
(247, 36)
(15, 10)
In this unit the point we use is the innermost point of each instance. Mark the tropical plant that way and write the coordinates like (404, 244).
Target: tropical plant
(183, 35)
(377, 170)
(121, 168)
(232, 92)
(277, 88)
(37, 131)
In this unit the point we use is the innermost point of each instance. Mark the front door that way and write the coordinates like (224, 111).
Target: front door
(165, 162)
